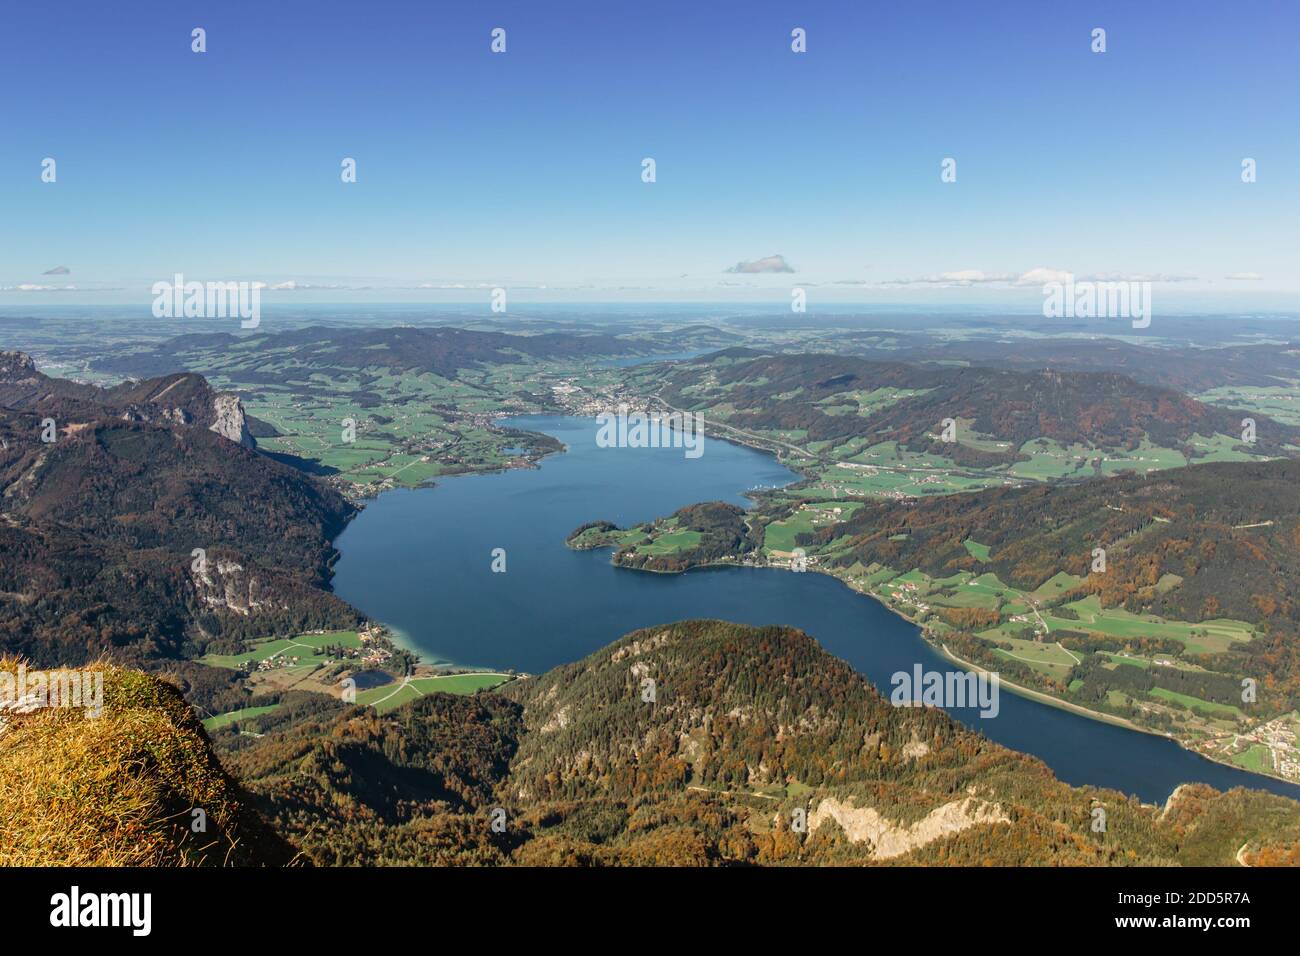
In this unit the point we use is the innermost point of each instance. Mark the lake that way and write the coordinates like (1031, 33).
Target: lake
(420, 561)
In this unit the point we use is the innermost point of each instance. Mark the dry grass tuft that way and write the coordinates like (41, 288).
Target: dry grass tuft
(120, 789)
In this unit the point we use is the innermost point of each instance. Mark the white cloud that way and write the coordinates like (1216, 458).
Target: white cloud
(959, 278)
(1139, 277)
(765, 264)
(1043, 275)
(293, 285)
(1038, 276)
(1244, 276)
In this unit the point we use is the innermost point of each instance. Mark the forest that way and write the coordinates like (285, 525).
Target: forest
(140, 532)
(744, 727)
(835, 398)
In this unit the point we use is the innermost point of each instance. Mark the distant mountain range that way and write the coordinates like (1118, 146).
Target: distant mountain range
(831, 398)
(442, 350)
(1187, 368)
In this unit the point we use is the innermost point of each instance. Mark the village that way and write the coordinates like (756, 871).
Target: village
(374, 649)
(1273, 743)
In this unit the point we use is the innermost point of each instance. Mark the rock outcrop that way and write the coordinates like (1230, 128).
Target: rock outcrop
(888, 839)
(182, 398)
(229, 420)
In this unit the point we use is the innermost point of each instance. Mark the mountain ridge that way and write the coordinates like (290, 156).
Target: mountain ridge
(180, 398)
(747, 725)
(833, 398)
(132, 530)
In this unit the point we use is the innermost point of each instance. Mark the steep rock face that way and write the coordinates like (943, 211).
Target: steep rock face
(181, 398)
(229, 421)
(225, 585)
(17, 367)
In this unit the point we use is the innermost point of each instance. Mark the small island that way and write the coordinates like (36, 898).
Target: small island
(712, 532)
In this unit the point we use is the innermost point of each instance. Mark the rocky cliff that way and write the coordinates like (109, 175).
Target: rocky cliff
(182, 398)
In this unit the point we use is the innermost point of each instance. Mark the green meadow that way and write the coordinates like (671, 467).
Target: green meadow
(1196, 702)
(390, 696)
(670, 542)
(782, 535)
(235, 716)
(308, 648)
(1204, 637)
(1047, 658)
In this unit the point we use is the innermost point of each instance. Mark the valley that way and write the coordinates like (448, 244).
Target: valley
(1183, 672)
(618, 437)
(874, 497)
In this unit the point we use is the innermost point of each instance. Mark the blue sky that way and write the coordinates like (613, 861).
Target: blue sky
(524, 169)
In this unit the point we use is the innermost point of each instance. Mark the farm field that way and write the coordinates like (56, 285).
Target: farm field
(782, 535)
(373, 428)
(1256, 757)
(961, 590)
(1055, 586)
(1278, 402)
(235, 716)
(1050, 659)
(1025, 636)
(309, 649)
(1204, 637)
(670, 543)
(1188, 701)
(408, 439)
(598, 538)
(390, 696)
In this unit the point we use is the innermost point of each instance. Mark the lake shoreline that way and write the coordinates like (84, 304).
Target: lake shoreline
(1039, 696)
(395, 556)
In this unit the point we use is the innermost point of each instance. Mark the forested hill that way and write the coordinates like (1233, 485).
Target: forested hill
(702, 743)
(1229, 530)
(1218, 540)
(1189, 368)
(829, 398)
(441, 350)
(176, 399)
(100, 528)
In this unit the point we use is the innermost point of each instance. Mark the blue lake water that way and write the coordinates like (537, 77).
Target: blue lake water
(420, 561)
(647, 359)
